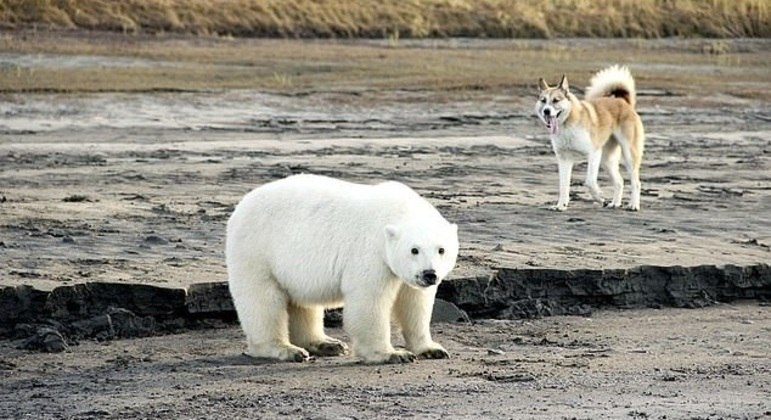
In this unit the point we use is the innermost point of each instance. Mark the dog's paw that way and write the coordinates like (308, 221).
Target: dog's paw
(559, 207)
(632, 208)
(611, 205)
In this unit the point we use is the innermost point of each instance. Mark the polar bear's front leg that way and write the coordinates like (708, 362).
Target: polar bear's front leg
(413, 309)
(306, 329)
(367, 318)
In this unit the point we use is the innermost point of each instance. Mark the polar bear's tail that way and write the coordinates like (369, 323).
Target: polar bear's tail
(613, 81)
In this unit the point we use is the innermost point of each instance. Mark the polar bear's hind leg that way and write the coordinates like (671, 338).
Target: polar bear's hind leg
(306, 329)
(262, 311)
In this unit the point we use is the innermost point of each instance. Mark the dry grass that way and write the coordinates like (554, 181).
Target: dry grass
(301, 66)
(397, 19)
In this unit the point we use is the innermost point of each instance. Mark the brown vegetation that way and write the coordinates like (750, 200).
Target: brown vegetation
(400, 18)
(191, 63)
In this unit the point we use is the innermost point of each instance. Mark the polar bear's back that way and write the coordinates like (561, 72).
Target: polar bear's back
(313, 201)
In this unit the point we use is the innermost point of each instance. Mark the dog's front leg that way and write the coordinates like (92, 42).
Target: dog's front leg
(565, 171)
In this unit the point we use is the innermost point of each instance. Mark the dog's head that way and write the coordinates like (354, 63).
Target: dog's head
(553, 106)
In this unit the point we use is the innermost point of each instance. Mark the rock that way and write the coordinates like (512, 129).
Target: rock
(333, 318)
(99, 328)
(47, 340)
(209, 298)
(532, 293)
(447, 312)
(23, 330)
(76, 198)
(92, 299)
(656, 92)
(53, 342)
(20, 304)
(127, 324)
(214, 300)
(7, 365)
(105, 311)
(155, 240)
(468, 294)
(94, 414)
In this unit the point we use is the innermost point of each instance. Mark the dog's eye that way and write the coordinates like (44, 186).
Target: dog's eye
(555, 100)
(543, 100)
(414, 251)
(441, 251)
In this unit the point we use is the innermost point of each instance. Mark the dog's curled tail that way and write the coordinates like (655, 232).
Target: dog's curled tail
(613, 81)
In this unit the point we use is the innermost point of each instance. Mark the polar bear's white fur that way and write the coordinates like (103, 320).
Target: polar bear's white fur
(307, 242)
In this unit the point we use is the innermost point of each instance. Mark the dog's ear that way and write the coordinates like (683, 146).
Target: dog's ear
(564, 83)
(542, 84)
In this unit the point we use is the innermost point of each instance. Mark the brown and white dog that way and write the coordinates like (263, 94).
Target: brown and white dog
(603, 128)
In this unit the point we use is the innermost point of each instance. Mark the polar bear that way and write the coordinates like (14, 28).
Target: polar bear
(308, 242)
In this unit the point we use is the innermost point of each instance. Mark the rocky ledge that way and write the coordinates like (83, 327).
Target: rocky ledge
(52, 321)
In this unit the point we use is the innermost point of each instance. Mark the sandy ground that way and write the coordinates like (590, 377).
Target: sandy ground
(149, 204)
(137, 187)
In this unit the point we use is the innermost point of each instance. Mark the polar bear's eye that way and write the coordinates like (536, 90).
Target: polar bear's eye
(441, 251)
(415, 251)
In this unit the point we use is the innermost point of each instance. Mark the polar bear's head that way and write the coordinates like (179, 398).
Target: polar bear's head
(422, 254)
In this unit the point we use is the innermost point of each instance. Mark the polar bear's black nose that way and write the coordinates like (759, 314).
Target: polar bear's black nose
(429, 276)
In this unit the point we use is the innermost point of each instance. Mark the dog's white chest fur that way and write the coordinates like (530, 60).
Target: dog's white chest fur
(572, 141)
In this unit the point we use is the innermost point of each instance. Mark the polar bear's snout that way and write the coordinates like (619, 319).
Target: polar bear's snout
(429, 277)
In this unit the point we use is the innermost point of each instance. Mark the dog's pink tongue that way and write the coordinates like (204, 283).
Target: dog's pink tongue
(554, 125)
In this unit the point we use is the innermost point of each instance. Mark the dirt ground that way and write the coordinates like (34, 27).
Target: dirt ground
(712, 363)
(137, 187)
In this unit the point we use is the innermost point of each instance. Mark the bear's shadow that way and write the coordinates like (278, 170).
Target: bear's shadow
(242, 359)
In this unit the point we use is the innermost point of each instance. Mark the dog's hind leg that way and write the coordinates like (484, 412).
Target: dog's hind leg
(592, 171)
(631, 140)
(611, 155)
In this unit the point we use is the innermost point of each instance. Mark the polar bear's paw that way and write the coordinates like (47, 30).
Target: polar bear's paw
(400, 356)
(328, 347)
(294, 354)
(434, 353)
(392, 358)
(286, 353)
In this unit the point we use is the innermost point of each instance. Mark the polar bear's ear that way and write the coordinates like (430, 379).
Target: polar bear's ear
(391, 232)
